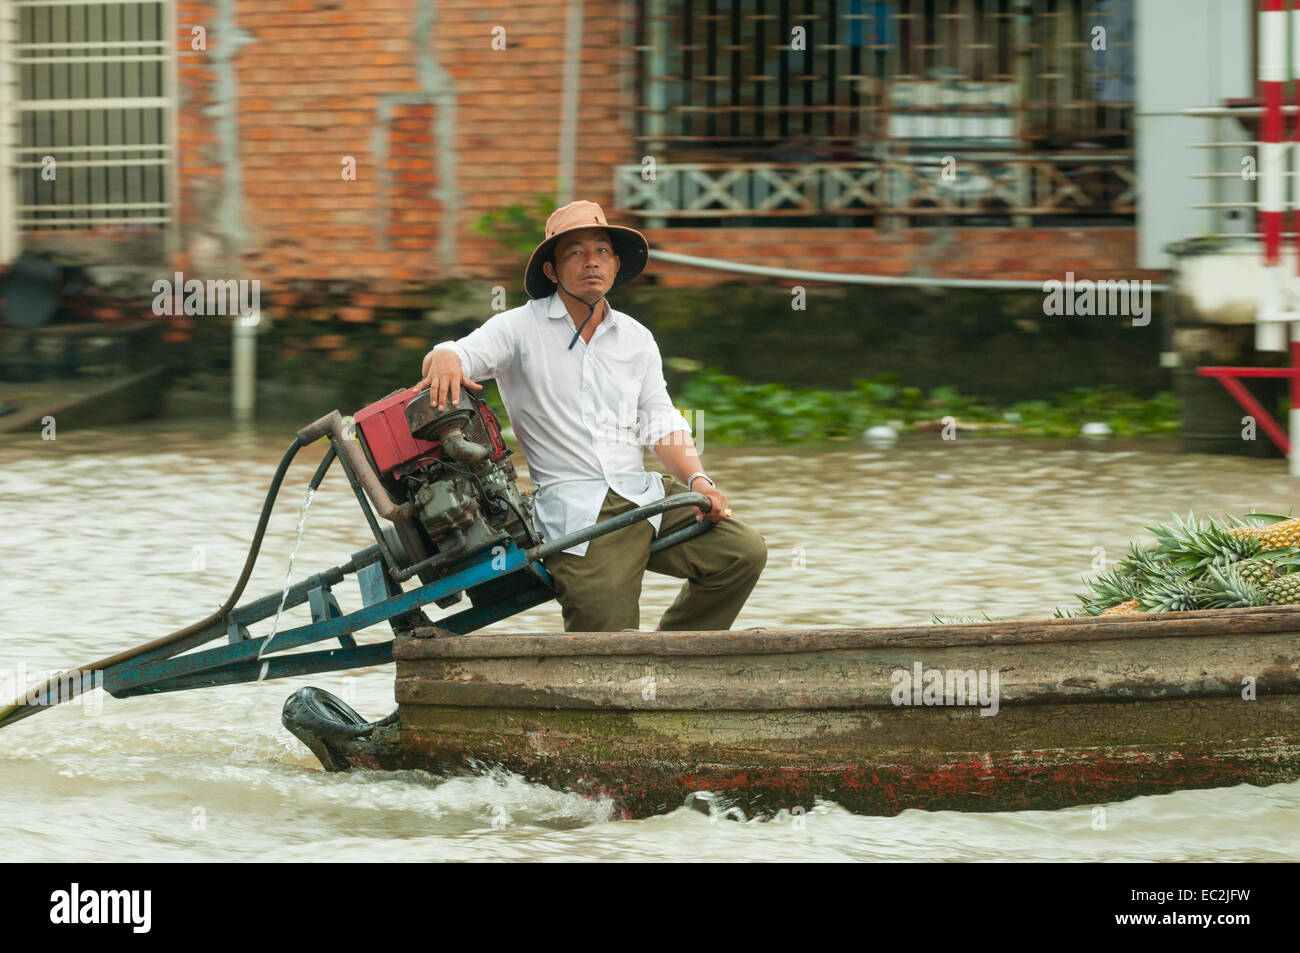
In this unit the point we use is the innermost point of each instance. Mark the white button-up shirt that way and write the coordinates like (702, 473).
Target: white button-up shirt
(584, 416)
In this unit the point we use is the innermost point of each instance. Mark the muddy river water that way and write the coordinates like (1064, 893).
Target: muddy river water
(111, 538)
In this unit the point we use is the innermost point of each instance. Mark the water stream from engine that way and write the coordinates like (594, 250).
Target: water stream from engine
(288, 579)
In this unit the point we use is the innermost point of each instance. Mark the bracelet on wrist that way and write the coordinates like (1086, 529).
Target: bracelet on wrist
(696, 475)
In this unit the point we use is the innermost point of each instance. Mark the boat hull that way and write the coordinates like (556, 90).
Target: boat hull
(1084, 713)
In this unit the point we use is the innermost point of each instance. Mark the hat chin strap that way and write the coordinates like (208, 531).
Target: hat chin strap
(591, 309)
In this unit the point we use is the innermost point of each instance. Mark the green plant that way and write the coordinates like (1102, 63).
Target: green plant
(735, 411)
(517, 228)
(944, 618)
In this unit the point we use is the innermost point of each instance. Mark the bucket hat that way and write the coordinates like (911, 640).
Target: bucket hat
(630, 245)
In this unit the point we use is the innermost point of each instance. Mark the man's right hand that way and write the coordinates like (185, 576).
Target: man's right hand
(445, 377)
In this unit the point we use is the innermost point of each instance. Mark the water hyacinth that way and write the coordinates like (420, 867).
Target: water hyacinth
(735, 411)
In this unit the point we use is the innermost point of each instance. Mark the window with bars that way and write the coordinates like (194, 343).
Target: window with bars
(89, 101)
(993, 110)
(727, 77)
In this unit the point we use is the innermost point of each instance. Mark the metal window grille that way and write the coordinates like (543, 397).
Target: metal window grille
(721, 74)
(1017, 88)
(88, 93)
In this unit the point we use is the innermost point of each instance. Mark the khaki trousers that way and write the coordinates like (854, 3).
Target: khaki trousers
(601, 591)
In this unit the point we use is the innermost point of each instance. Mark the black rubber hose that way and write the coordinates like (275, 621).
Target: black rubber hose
(325, 462)
(21, 709)
(523, 524)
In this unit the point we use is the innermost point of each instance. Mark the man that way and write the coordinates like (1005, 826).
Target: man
(584, 389)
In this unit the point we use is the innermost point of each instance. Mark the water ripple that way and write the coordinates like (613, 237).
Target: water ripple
(110, 538)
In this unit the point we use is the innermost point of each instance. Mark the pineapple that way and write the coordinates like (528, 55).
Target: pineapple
(1284, 591)
(1192, 545)
(1230, 589)
(1145, 565)
(1258, 571)
(1128, 607)
(1282, 535)
(1247, 530)
(1240, 527)
(1109, 590)
(1174, 595)
(1221, 548)
(1196, 564)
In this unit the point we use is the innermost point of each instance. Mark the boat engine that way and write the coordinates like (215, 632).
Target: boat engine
(445, 485)
(454, 469)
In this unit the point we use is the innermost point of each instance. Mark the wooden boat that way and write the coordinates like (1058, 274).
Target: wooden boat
(1087, 710)
(83, 375)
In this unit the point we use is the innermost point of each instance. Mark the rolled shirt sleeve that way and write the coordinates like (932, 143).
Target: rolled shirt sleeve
(487, 350)
(656, 416)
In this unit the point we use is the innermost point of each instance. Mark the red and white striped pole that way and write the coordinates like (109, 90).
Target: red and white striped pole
(1272, 78)
(1274, 30)
(1293, 424)
(1291, 124)
(1276, 24)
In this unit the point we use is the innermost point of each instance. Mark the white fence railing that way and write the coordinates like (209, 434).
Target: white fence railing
(87, 97)
(926, 185)
(1231, 193)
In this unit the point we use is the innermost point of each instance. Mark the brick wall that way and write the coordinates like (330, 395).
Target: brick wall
(410, 90)
(443, 129)
(415, 92)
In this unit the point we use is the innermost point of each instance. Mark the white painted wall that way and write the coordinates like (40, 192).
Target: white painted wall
(1190, 53)
(9, 244)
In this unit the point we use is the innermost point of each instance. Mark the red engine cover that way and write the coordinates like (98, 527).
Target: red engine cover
(394, 450)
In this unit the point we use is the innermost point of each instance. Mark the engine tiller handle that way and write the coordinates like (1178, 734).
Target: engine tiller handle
(536, 553)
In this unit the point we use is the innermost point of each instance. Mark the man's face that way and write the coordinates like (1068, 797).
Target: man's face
(585, 263)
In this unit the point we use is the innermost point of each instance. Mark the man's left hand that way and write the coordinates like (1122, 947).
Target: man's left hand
(720, 510)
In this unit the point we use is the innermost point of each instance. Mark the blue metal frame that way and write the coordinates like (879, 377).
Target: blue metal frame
(246, 659)
(500, 579)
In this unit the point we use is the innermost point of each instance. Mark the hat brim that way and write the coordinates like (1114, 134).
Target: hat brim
(630, 246)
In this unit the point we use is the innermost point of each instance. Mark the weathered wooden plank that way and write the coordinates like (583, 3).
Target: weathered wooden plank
(1221, 622)
(986, 675)
(1084, 710)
